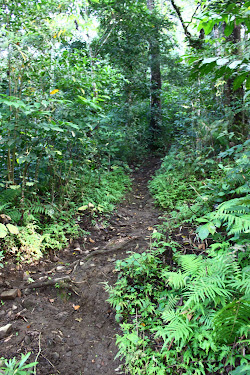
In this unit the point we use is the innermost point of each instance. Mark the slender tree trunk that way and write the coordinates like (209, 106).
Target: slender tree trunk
(236, 96)
(155, 90)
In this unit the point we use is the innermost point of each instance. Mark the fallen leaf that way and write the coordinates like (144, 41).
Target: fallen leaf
(8, 338)
(92, 241)
(150, 228)
(19, 294)
(51, 300)
(202, 246)
(189, 316)
(76, 307)
(78, 320)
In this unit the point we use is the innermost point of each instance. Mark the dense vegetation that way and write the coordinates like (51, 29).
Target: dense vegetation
(89, 87)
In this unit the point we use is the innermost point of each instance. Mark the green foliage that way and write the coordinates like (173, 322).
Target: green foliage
(180, 313)
(48, 226)
(15, 367)
(223, 65)
(175, 181)
(192, 317)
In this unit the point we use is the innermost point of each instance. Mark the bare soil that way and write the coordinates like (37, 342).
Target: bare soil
(68, 326)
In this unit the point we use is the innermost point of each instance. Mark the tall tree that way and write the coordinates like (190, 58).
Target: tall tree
(155, 68)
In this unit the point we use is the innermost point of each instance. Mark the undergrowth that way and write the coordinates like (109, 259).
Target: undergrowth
(184, 305)
(36, 224)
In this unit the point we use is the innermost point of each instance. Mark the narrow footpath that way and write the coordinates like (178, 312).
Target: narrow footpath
(64, 319)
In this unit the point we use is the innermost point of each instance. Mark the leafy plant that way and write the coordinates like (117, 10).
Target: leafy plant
(171, 317)
(15, 367)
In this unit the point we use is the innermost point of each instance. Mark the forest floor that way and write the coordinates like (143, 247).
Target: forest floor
(68, 326)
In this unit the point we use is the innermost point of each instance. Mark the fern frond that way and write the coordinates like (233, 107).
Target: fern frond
(9, 195)
(15, 214)
(241, 370)
(236, 213)
(171, 302)
(176, 280)
(242, 284)
(3, 206)
(191, 263)
(206, 288)
(41, 209)
(178, 329)
(243, 189)
(230, 320)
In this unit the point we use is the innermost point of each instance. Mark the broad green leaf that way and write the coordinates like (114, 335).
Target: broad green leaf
(203, 232)
(209, 60)
(222, 61)
(234, 64)
(239, 80)
(248, 83)
(229, 28)
(12, 229)
(208, 27)
(3, 231)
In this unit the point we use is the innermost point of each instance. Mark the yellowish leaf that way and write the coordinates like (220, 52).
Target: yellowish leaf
(12, 229)
(60, 32)
(54, 92)
(76, 307)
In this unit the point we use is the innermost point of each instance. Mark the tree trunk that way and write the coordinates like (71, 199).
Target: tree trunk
(236, 96)
(155, 87)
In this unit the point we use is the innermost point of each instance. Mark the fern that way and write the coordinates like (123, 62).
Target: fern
(176, 280)
(9, 195)
(235, 213)
(206, 288)
(178, 329)
(241, 370)
(3, 206)
(191, 264)
(15, 214)
(231, 320)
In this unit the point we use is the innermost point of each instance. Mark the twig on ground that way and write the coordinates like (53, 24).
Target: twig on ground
(39, 352)
(51, 364)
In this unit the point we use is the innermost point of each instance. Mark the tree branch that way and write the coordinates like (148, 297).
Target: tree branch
(178, 12)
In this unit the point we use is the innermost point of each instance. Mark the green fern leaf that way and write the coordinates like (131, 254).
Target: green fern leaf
(230, 320)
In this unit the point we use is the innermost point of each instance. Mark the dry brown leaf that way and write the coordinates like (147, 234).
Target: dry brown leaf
(76, 307)
(8, 338)
(202, 246)
(189, 316)
(92, 241)
(150, 228)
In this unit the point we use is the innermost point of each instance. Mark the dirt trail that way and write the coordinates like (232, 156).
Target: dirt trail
(70, 328)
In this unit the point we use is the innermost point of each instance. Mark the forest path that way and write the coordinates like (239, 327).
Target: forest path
(70, 328)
